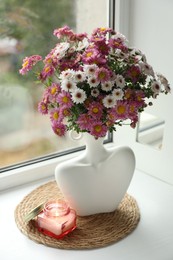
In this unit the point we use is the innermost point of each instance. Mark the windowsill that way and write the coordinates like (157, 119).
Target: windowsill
(151, 240)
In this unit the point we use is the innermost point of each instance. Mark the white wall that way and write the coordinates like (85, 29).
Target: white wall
(150, 29)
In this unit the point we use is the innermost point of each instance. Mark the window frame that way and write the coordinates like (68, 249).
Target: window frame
(43, 167)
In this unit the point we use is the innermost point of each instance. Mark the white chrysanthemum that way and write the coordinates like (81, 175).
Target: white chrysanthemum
(79, 96)
(90, 70)
(156, 87)
(119, 36)
(67, 75)
(163, 80)
(82, 44)
(79, 76)
(120, 81)
(72, 49)
(93, 82)
(146, 68)
(120, 54)
(60, 49)
(109, 101)
(118, 94)
(107, 86)
(68, 85)
(113, 77)
(138, 54)
(95, 92)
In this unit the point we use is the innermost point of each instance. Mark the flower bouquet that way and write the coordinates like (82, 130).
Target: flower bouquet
(94, 83)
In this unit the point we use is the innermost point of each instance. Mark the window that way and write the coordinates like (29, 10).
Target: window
(143, 18)
(26, 135)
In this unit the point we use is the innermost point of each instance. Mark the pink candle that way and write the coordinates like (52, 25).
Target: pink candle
(56, 219)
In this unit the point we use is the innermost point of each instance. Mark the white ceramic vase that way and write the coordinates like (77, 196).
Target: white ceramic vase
(97, 180)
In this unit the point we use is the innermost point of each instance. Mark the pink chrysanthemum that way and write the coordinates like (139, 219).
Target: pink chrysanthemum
(129, 94)
(133, 110)
(28, 63)
(101, 44)
(89, 55)
(98, 129)
(102, 31)
(50, 59)
(47, 71)
(64, 112)
(63, 32)
(95, 110)
(111, 116)
(134, 73)
(92, 56)
(56, 115)
(42, 108)
(54, 89)
(84, 121)
(121, 110)
(58, 128)
(117, 43)
(102, 75)
(139, 97)
(64, 99)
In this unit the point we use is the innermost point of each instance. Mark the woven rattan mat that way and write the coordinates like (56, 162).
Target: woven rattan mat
(93, 231)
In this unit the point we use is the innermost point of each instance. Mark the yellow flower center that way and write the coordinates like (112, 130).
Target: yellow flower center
(58, 131)
(53, 90)
(43, 107)
(98, 128)
(121, 109)
(47, 69)
(102, 29)
(132, 108)
(55, 115)
(49, 60)
(65, 112)
(97, 38)
(95, 110)
(102, 75)
(127, 95)
(25, 64)
(89, 54)
(65, 99)
(139, 98)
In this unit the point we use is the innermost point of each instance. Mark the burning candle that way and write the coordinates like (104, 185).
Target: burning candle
(56, 219)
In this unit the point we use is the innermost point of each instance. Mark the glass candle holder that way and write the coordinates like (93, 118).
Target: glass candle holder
(57, 219)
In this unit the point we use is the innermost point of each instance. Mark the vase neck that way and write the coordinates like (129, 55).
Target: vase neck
(95, 150)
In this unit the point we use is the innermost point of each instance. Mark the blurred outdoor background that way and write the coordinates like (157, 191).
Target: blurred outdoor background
(26, 28)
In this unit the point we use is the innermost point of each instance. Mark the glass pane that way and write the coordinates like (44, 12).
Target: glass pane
(150, 130)
(26, 28)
